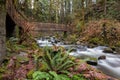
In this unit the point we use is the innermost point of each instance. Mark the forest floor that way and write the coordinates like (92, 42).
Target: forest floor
(24, 60)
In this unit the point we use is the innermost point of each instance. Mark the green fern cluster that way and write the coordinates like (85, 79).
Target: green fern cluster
(49, 76)
(13, 46)
(57, 64)
(58, 61)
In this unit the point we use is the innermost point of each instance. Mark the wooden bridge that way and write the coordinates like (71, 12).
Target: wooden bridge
(50, 27)
(32, 26)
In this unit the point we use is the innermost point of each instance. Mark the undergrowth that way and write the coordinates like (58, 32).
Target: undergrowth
(30, 62)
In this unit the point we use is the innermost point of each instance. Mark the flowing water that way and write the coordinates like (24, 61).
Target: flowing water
(110, 65)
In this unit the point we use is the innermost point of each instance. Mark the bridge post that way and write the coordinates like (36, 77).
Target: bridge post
(65, 34)
(2, 32)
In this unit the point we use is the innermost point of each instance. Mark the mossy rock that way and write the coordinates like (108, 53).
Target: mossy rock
(91, 45)
(22, 58)
(113, 48)
(90, 59)
(118, 50)
(108, 50)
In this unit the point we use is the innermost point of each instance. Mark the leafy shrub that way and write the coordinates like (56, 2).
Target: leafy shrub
(13, 46)
(72, 38)
(78, 77)
(49, 76)
(96, 41)
(41, 75)
(57, 61)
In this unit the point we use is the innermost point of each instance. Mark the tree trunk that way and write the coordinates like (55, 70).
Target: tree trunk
(105, 10)
(83, 15)
(2, 32)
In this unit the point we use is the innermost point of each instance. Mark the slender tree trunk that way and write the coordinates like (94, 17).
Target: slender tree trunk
(50, 10)
(62, 11)
(105, 9)
(83, 14)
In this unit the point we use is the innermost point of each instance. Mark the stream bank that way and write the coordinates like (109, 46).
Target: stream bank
(104, 57)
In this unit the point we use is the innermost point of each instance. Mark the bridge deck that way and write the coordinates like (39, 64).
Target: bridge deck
(50, 27)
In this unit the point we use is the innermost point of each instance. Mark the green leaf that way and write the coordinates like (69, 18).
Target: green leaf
(41, 75)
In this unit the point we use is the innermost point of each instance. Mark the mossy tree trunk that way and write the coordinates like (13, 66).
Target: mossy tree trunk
(2, 32)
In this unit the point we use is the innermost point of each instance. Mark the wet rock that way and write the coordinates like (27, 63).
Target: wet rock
(91, 45)
(113, 48)
(102, 57)
(82, 48)
(94, 63)
(67, 42)
(22, 57)
(118, 50)
(73, 50)
(23, 54)
(78, 42)
(108, 50)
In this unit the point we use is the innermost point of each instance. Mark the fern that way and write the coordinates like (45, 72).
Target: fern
(57, 62)
(78, 77)
(41, 76)
(49, 76)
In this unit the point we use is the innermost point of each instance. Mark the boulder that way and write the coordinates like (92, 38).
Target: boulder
(22, 57)
(118, 50)
(73, 50)
(94, 63)
(108, 50)
(78, 42)
(91, 45)
(101, 57)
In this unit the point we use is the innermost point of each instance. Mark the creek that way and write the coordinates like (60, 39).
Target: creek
(110, 65)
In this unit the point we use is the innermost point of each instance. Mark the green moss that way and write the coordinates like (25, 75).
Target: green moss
(2, 70)
(73, 38)
(96, 41)
(1, 76)
(118, 44)
(29, 74)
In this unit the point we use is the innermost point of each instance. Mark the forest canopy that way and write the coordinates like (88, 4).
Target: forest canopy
(64, 11)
